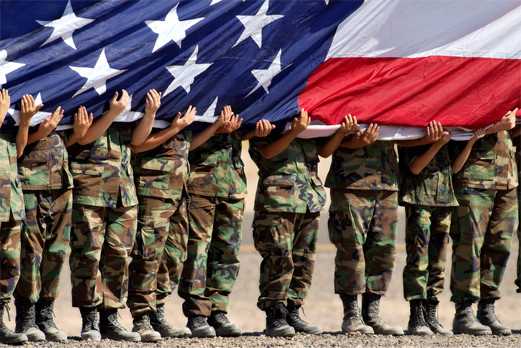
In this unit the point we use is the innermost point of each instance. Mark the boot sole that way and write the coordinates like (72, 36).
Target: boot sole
(477, 333)
(204, 334)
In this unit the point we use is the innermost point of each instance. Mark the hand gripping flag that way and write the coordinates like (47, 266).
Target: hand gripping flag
(398, 63)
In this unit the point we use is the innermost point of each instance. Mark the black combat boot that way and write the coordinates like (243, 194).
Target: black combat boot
(293, 318)
(26, 320)
(199, 327)
(487, 316)
(45, 321)
(7, 336)
(371, 315)
(223, 326)
(161, 325)
(417, 323)
(431, 317)
(90, 324)
(353, 322)
(466, 323)
(276, 324)
(111, 328)
(145, 330)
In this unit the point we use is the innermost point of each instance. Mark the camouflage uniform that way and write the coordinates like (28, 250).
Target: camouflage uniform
(486, 218)
(11, 215)
(287, 209)
(47, 186)
(517, 143)
(363, 217)
(428, 199)
(104, 219)
(217, 187)
(161, 176)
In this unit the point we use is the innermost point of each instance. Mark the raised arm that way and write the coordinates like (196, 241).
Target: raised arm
(118, 103)
(348, 126)
(144, 127)
(225, 122)
(507, 122)
(434, 132)
(263, 128)
(27, 110)
(462, 158)
(419, 164)
(82, 122)
(5, 102)
(298, 125)
(364, 138)
(47, 126)
(178, 124)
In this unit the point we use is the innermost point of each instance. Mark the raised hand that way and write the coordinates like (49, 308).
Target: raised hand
(50, 124)
(434, 131)
(28, 109)
(508, 121)
(370, 134)
(153, 102)
(119, 102)
(5, 102)
(299, 124)
(349, 125)
(263, 128)
(182, 121)
(478, 134)
(224, 118)
(82, 122)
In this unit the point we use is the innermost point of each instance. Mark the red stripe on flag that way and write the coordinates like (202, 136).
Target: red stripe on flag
(469, 92)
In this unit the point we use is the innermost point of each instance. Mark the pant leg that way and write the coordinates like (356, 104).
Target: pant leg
(518, 280)
(379, 248)
(468, 232)
(438, 250)
(498, 241)
(417, 245)
(174, 255)
(10, 244)
(273, 238)
(349, 218)
(304, 255)
(192, 288)
(223, 255)
(153, 225)
(87, 238)
(115, 255)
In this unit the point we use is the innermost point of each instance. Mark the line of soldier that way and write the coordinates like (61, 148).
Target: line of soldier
(147, 210)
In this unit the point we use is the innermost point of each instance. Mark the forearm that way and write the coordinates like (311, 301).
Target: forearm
(156, 139)
(278, 146)
(332, 145)
(413, 143)
(98, 128)
(203, 136)
(462, 158)
(354, 143)
(36, 136)
(21, 139)
(142, 130)
(419, 164)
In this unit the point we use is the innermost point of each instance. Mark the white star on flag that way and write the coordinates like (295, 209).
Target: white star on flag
(128, 115)
(7, 67)
(265, 76)
(215, 2)
(37, 118)
(327, 2)
(184, 75)
(97, 76)
(209, 115)
(64, 27)
(254, 24)
(171, 29)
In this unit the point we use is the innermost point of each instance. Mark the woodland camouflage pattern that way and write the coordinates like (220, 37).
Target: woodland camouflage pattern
(362, 226)
(517, 143)
(289, 182)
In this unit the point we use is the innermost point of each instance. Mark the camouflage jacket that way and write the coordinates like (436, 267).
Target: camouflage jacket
(288, 182)
(11, 197)
(433, 186)
(102, 170)
(163, 172)
(45, 165)
(491, 164)
(216, 168)
(374, 167)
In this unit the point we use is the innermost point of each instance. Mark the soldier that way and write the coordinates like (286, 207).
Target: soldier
(516, 136)
(104, 219)
(362, 225)
(47, 188)
(485, 183)
(427, 193)
(287, 209)
(11, 209)
(161, 173)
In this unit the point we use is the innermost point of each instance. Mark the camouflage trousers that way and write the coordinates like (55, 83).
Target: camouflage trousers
(212, 264)
(10, 245)
(362, 226)
(158, 254)
(518, 280)
(287, 244)
(45, 243)
(426, 240)
(101, 242)
(481, 232)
